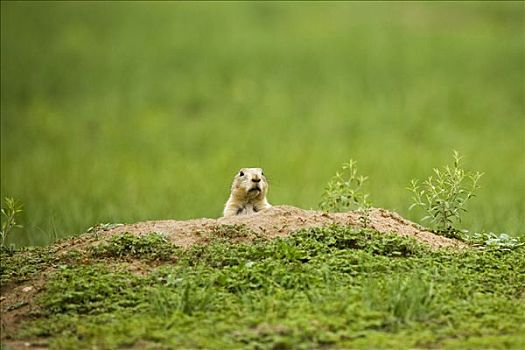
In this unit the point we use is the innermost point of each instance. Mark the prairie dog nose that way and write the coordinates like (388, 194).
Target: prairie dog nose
(256, 180)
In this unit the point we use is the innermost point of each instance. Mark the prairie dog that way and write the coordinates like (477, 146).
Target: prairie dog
(248, 193)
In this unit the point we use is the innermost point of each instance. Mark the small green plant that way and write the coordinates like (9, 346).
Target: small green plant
(103, 227)
(444, 195)
(344, 193)
(492, 241)
(9, 213)
(231, 231)
(152, 247)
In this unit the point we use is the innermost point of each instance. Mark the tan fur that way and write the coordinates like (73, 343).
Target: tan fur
(248, 193)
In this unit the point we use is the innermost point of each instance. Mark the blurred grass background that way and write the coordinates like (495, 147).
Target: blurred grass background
(121, 112)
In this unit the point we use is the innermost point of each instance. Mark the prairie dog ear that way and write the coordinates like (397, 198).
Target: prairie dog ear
(241, 172)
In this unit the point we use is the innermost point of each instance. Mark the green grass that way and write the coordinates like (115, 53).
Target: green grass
(319, 288)
(120, 112)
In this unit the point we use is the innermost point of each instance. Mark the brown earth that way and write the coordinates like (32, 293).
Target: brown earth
(282, 220)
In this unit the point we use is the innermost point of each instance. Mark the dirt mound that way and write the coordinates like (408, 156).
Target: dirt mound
(281, 221)
(17, 298)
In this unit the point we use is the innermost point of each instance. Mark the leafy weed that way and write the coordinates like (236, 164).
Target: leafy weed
(444, 195)
(344, 192)
(11, 209)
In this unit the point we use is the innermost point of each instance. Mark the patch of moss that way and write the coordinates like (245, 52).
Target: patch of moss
(18, 266)
(151, 247)
(91, 289)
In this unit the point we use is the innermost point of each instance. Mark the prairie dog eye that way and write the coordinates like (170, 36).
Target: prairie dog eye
(241, 174)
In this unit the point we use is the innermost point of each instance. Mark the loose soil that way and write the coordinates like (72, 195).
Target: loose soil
(282, 220)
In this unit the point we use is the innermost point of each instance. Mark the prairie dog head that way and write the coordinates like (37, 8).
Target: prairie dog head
(250, 183)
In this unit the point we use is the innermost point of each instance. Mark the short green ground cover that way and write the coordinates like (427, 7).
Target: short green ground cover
(319, 288)
(133, 111)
